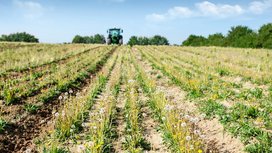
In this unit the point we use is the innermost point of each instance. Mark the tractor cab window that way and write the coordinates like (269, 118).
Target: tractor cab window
(114, 32)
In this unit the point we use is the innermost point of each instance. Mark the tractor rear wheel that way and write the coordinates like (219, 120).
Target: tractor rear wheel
(121, 41)
(108, 41)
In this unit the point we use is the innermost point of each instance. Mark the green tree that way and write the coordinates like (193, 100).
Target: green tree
(99, 39)
(96, 39)
(265, 36)
(158, 40)
(4, 38)
(143, 41)
(89, 40)
(194, 40)
(155, 40)
(216, 39)
(133, 40)
(241, 36)
(79, 39)
(19, 37)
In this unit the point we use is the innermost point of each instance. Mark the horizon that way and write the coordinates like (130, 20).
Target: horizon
(59, 21)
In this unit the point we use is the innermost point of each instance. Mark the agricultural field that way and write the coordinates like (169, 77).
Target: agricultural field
(97, 98)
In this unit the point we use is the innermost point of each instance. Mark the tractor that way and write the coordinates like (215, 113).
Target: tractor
(114, 36)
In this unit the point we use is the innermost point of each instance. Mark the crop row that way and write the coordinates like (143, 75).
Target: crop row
(10, 45)
(29, 57)
(87, 112)
(134, 140)
(194, 67)
(13, 90)
(239, 119)
(180, 131)
(77, 79)
(190, 70)
(249, 67)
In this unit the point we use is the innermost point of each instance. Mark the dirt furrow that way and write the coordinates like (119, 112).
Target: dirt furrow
(150, 129)
(120, 121)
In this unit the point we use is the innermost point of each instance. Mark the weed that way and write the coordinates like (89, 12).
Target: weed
(36, 75)
(9, 96)
(3, 125)
(222, 71)
(31, 108)
(55, 150)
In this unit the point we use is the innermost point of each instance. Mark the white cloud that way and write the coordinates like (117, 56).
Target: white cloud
(209, 9)
(155, 17)
(172, 13)
(219, 10)
(29, 9)
(258, 7)
(179, 12)
(201, 9)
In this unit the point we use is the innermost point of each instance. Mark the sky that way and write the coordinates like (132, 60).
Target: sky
(58, 21)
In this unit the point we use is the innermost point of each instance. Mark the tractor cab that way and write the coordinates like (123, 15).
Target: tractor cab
(114, 36)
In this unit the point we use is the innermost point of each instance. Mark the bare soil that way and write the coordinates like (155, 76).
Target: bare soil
(150, 129)
(120, 121)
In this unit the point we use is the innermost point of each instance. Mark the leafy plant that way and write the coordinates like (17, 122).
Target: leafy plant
(3, 125)
(55, 149)
(31, 108)
(222, 71)
(36, 75)
(9, 96)
(212, 108)
(257, 92)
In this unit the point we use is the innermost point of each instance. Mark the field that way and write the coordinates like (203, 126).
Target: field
(98, 98)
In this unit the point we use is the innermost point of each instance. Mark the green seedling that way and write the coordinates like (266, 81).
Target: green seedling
(31, 108)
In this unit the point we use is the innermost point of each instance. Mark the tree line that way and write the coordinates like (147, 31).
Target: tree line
(19, 37)
(155, 40)
(238, 36)
(96, 39)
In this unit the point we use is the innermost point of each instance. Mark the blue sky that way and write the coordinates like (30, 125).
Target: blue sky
(57, 21)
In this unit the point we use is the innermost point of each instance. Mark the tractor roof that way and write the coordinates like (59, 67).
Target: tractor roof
(115, 29)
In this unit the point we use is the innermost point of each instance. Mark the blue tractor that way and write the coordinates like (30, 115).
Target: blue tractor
(114, 36)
